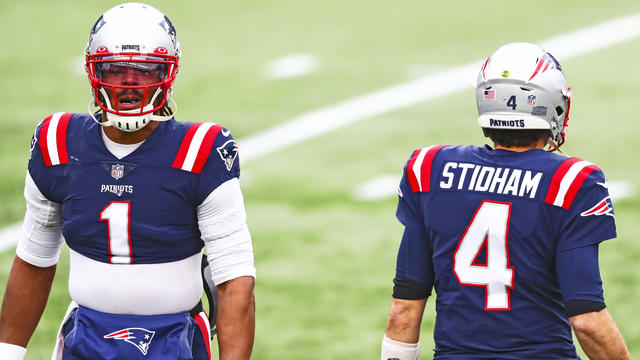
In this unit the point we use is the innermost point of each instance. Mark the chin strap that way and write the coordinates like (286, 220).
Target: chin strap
(129, 121)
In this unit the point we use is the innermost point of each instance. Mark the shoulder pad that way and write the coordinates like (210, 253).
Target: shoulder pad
(567, 180)
(52, 138)
(419, 168)
(196, 146)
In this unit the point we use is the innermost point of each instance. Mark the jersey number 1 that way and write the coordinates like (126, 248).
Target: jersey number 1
(489, 227)
(116, 214)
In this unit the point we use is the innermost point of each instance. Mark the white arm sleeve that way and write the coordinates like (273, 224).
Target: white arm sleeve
(39, 244)
(11, 352)
(396, 350)
(223, 225)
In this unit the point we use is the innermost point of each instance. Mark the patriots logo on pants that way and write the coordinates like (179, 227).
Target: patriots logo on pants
(138, 337)
(228, 152)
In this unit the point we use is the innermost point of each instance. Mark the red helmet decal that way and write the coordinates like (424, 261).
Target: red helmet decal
(102, 49)
(161, 50)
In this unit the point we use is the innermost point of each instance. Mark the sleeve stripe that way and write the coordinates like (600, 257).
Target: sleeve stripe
(184, 146)
(203, 324)
(577, 183)
(414, 170)
(61, 137)
(419, 168)
(413, 181)
(567, 181)
(53, 139)
(42, 140)
(557, 178)
(205, 148)
(196, 147)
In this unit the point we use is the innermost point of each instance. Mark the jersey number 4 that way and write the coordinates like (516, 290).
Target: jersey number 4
(488, 229)
(116, 214)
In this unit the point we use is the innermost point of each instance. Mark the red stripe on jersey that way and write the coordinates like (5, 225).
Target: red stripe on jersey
(554, 187)
(205, 148)
(576, 184)
(184, 147)
(425, 169)
(204, 329)
(61, 138)
(413, 180)
(42, 140)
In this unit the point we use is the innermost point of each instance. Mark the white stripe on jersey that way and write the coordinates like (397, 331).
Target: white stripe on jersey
(418, 164)
(52, 144)
(567, 180)
(194, 146)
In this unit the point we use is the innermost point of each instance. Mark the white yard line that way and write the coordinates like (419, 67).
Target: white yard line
(291, 66)
(324, 120)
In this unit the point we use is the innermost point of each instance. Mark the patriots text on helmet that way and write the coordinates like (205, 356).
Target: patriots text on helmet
(501, 180)
(506, 123)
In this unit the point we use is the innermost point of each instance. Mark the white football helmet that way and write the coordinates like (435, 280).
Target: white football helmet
(521, 86)
(132, 61)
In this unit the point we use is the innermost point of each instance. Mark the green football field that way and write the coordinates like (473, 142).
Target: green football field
(326, 257)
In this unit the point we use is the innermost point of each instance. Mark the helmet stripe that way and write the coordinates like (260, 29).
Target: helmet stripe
(484, 67)
(535, 72)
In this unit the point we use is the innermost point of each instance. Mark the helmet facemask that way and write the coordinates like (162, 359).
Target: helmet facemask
(131, 88)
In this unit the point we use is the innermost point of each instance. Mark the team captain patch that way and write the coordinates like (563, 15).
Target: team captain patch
(228, 152)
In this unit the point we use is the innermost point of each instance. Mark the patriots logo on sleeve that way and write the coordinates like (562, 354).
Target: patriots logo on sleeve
(228, 152)
(138, 337)
(603, 207)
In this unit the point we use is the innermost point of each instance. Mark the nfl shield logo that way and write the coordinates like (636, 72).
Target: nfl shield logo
(117, 171)
(531, 99)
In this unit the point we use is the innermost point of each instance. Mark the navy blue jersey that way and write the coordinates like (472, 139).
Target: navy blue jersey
(484, 229)
(140, 209)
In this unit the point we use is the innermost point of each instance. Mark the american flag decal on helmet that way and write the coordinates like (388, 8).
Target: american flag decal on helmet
(138, 337)
(603, 207)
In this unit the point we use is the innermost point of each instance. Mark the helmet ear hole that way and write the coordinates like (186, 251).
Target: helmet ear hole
(559, 110)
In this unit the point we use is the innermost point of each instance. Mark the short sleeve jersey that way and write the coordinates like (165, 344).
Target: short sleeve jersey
(489, 223)
(140, 209)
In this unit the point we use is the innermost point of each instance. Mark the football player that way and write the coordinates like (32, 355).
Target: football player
(508, 235)
(136, 195)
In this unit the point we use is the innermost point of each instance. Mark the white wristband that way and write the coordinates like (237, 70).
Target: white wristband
(11, 352)
(392, 349)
